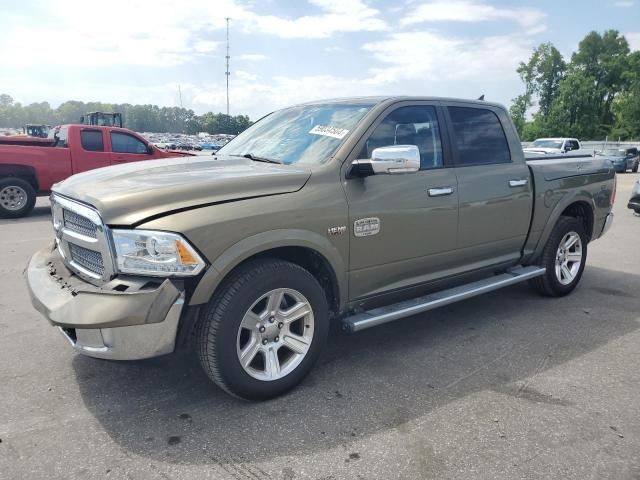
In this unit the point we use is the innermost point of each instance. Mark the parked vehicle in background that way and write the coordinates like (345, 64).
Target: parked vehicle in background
(362, 210)
(634, 201)
(28, 170)
(633, 158)
(553, 145)
(622, 159)
(36, 130)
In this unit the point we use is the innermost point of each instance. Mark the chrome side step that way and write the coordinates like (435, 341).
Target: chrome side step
(389, 313)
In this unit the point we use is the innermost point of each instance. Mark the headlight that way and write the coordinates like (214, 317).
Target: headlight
(146, 252)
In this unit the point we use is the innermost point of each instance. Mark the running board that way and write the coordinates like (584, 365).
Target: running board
(389, 313)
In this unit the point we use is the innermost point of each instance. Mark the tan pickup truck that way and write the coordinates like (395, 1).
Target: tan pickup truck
(360, 211)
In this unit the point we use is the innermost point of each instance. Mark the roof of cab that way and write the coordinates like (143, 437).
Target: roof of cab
(374, 100)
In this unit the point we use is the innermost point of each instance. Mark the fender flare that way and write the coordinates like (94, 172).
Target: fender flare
(261, 242)
(566, 201)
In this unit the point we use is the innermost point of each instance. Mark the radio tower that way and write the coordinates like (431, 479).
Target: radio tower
(227, 73)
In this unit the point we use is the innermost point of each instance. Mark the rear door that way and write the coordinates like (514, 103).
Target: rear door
(494, 186)
(127, 148)
(402, 227)
(89, 150)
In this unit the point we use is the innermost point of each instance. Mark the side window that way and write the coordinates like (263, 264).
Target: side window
(574, 144)
(125, 143)
(479, 136)
(92, 140)
(413, 125)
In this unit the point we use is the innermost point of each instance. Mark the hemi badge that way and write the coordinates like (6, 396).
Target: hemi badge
(331, 231)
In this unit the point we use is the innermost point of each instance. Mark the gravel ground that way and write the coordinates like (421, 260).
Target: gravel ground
(509, 385)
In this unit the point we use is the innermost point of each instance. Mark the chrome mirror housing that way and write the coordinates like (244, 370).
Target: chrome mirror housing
(389, 160)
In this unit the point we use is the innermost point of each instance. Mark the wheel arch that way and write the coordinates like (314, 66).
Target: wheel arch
(24, 172)
(307, 249)
(580, 206)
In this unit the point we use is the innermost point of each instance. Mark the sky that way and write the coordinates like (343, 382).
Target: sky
(285, 51)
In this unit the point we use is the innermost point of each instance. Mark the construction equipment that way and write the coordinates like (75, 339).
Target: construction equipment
(103, 119)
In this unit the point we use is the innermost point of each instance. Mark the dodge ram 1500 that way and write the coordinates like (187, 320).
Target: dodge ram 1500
(360, 211)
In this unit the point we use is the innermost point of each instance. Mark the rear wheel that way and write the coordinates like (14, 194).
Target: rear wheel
(263, 331)
(635, 168)
(564, 258)
(17, 197)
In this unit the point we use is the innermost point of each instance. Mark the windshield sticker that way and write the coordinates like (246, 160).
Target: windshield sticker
(326, 131)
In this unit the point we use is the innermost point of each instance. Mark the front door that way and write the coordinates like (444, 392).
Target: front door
(127, 148)
(403, 227)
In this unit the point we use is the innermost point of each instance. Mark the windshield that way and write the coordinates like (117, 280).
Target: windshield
(547, 144)
(306, 134)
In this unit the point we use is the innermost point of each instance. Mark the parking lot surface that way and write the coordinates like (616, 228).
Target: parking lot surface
(506, 385)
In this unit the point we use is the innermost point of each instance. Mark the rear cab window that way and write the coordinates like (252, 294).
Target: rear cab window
(60, 136)
(91, 140)
(478, 136)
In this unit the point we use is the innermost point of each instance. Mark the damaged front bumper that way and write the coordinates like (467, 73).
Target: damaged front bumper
(125, 319)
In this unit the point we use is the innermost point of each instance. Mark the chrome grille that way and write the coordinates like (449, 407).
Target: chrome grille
(89, 259)
(82, 239)
(79, 224)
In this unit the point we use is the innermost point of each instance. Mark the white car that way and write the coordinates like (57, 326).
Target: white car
(553, 146)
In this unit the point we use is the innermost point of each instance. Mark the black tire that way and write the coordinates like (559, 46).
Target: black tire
(635, 168)
(549, 284)
(217, 335)
(9, 185)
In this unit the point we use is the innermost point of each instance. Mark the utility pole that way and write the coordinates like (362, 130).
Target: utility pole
(227, 73)
(180, 94)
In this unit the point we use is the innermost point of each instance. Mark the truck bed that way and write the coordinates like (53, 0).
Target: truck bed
(561, 181)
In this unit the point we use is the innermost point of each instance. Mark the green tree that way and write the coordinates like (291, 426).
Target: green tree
(5, 100)
(604, 60)
(541, 76)
(626, 106)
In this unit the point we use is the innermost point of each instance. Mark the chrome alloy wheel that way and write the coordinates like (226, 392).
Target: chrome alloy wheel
(275, 334)
(13, 198)
(568, 258)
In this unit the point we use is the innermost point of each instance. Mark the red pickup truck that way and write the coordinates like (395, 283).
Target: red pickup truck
(29, 169)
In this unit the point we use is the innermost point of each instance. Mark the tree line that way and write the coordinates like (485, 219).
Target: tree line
(596, 93)
(142, 118)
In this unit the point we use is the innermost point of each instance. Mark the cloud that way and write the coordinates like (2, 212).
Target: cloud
(634, 40)
(430, 56)
(624, 4)
(157, 33)
(251, 57)
(337, 16)
(471, 11)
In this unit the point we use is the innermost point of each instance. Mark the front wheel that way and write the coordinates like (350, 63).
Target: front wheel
(264, 330)
(17, 197)
(564, 257)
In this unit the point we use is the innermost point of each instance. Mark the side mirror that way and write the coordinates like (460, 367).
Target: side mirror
(389, 160)
(150, 149)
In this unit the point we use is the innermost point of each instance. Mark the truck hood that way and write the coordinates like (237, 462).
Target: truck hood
(130, 193)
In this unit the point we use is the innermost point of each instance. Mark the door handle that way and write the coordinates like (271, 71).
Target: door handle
(518, 183)
(440, 191)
